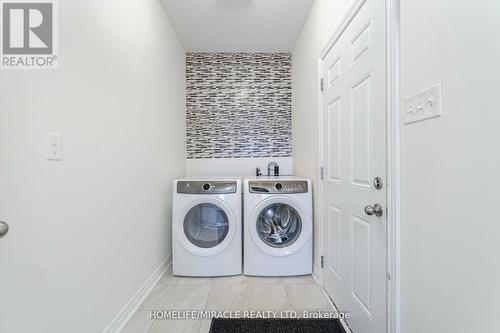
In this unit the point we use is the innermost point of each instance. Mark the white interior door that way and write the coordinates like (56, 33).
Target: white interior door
(354, 141)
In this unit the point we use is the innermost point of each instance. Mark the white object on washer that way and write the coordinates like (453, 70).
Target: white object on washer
(206, 227)
(277, 226)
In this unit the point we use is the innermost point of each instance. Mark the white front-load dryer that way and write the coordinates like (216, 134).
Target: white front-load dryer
(206, 227)
(277, 226)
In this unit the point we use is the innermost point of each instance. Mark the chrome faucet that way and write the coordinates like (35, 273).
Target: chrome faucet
(273, 169)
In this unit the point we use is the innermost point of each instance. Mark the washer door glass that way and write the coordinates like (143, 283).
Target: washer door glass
(279, 225)
(206, 225)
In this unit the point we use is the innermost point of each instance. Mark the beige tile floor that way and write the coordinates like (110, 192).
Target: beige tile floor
(224, 293)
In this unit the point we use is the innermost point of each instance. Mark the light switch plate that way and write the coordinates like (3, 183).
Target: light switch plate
(54, 146)
(423, 105)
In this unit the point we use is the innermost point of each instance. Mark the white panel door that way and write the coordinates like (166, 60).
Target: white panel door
(354, 143)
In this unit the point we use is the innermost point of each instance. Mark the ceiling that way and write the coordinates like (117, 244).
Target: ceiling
(237, 25)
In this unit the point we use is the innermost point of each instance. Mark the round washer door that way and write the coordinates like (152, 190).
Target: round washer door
(279, 227)
(207, 228)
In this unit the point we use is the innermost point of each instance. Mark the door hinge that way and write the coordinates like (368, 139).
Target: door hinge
(322, 173)
(321, 84)
(322, 261)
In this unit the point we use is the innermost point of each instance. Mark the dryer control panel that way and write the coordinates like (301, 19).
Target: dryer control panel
(206, 187)
(278, 186)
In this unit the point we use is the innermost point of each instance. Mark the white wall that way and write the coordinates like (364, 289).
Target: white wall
(323, 19)
(450, 230)
(237, 167)
(86, 232)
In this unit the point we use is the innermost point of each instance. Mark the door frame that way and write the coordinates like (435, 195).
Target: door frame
(393, 153)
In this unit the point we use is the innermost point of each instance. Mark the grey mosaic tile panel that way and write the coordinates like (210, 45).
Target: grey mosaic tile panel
(238, 105)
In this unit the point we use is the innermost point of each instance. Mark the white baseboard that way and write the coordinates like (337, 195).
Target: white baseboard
(318, 275)
(121, 319)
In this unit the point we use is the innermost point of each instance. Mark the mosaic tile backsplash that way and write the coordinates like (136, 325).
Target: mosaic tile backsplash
(238, 105)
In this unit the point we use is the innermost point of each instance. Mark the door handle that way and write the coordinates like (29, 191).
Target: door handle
(376, 209)
(4, 229)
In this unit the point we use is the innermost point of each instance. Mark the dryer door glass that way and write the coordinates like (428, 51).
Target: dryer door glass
(279, 225)
(206, 225)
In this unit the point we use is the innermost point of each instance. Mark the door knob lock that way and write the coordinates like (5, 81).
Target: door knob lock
(376, 209)
(378, 183)
(4, 229)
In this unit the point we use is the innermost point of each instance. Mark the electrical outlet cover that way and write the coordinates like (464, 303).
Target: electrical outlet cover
(54, 146)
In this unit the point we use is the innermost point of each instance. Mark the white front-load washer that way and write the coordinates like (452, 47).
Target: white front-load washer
(206, 227)
(277, 226)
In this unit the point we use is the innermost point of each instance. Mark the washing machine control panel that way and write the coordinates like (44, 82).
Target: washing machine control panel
(206, 187)
(278, 186)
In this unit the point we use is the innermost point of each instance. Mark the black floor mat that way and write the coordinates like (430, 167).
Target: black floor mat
(276, 326)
